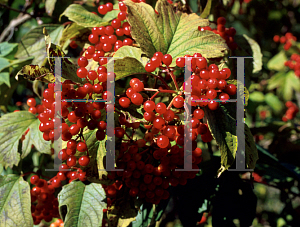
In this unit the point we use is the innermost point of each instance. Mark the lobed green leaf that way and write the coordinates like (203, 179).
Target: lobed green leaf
(15, 202)
(81, 205)
(78, 14)
(286, 84)
(223, 129)
(277, 62)
(33, 43)
(6, 48)
(12, 127)
(171, 32)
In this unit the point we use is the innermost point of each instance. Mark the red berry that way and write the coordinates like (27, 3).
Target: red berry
(149, 106)
(136, 98)
(71, 161)
(178, 102)
(34, 179)
(31, 102)
(167, 59)
(81, 146)
(84, 160)
(124, 102)
(180, 62)
(102, 9)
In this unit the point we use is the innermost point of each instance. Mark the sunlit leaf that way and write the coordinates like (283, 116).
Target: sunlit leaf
(15, 202)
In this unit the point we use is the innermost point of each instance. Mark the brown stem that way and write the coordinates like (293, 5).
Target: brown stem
(173, 78)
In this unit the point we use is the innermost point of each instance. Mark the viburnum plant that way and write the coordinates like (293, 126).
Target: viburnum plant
(152, 119)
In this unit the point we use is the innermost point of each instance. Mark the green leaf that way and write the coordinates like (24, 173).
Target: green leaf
(35, 137)
(82, 205)
(274, 102)
(12, 127)
(71, 31)
(276, 80)
(286, 84)
(16, 64)
(15, 202)
(256, 53)
(35, 87)
(277, 62)
(35, 72)
(4, 78)
(49, 6)
(251, 154)
(149, 214)
(3, 63)
(82, 17)
(6, 48)
(33, 42)
(112, 14)
(207, 9)
(168, 32)
(144, 217)
(129, 51)
(257, 96)
(97, 151)
(7, 92)
(223, 129)
(128, 66)
(128, 62)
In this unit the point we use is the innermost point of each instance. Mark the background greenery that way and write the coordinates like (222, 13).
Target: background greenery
(225, 201)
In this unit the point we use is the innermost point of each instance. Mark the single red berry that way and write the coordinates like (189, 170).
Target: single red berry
(102, 9)
(124, 102)
(84, 160)
(34, 179)
(31, 102)
(180, 62)
(167, 59)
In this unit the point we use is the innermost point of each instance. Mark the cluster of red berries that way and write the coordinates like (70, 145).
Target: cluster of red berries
(105, 37)
(294, 64)
(291, 112)
(78, 116)
(149, 163)
(226, 33)
(150, 169)
(287, 40)
(44, 205)
(57, 223)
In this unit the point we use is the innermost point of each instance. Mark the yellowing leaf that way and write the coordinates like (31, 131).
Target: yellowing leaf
(35, 72)
(68, 69)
